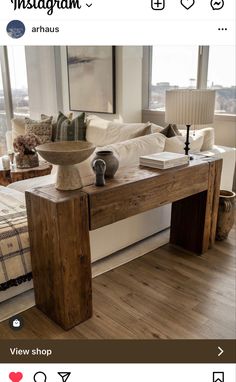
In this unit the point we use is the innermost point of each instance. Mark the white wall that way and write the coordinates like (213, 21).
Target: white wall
(48, 82)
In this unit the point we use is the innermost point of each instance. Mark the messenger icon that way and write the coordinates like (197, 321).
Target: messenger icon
(217, 4)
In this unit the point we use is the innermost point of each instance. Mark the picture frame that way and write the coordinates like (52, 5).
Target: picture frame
(92, 78)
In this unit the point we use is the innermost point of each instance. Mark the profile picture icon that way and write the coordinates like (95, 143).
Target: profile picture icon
(15, 29)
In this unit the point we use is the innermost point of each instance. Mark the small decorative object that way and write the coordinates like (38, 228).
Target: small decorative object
(26, 155)
(225, 214)
(112, 163)
(99, 167)
(66, 155)
(5, 163)
(11, 155)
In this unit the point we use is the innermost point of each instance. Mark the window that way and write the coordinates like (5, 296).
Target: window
(18, 78)
(13, 89)
(172, 67)
(221, 76)
(192, 67)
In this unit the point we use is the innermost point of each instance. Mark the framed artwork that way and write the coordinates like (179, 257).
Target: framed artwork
(91, 79)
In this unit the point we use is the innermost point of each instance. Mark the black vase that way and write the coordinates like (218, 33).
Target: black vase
(112, 163)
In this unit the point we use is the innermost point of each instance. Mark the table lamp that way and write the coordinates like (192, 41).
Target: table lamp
(190, 107)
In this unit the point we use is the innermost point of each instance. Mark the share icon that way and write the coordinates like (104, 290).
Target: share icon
(64, 375)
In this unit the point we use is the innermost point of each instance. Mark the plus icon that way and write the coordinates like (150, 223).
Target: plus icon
(158, 5)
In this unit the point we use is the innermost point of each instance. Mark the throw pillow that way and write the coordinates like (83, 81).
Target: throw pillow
(156, 128)
(170, 131)
(71, 130)
(54, 124)
(208, 134)
(43, 129)
(101, 132)
(177, 144)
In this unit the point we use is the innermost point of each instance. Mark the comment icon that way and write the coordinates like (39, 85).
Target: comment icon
(40, 376)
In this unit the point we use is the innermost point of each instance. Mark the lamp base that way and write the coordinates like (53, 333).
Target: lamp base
(187, 143)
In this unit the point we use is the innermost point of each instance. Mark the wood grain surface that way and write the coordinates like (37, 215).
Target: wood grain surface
(61, 264)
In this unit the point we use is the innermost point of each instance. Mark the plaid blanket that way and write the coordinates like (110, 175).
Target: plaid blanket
(15, 261)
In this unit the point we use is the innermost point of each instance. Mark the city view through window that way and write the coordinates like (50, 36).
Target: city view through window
(176, 67)
(18, 92)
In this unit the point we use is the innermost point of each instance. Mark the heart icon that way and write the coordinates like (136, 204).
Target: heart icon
(187, 3)
(15, 377)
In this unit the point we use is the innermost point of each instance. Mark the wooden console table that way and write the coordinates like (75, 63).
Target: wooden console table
(59, 224)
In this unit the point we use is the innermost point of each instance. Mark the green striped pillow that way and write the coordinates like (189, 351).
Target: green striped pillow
(68, 130)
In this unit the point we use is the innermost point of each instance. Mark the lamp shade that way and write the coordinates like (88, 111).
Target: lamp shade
(190, 106)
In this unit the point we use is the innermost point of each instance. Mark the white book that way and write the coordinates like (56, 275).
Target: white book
(162, 167)
(165, 157)
(164, 160)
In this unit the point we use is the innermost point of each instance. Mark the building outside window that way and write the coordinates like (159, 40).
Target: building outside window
(180, 67)
(172, 68)
(221, 76)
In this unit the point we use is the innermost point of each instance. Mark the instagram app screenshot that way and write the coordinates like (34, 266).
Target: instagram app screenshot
(117, 190)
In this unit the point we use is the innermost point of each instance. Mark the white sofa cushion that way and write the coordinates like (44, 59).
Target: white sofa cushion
(128, 152)
(177, 144)
(101, 132)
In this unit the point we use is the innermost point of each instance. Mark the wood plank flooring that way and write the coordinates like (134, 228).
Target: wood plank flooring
(166, 294)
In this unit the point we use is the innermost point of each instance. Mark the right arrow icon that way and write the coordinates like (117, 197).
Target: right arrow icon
(221, 351)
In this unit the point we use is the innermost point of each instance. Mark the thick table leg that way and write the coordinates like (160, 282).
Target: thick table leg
(194, 219)
(61, 263)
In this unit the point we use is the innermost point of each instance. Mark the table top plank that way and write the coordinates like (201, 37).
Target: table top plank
(136, 190)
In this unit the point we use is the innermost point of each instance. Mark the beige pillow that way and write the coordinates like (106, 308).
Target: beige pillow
(208, 134)
(18, 127)
(101, 132)
(43, 128)
(156, 128)
(177, 144)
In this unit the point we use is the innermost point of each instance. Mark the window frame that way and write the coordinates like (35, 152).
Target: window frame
(6, 81)
(202, 75)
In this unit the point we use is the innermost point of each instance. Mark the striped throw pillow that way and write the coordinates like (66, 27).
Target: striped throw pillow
(68, 130)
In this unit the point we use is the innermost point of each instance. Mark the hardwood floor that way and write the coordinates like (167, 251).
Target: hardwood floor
(166, 294)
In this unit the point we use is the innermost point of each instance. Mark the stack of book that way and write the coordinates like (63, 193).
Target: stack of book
(164, 160)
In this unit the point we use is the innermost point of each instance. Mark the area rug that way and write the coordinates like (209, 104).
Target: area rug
(25, 300)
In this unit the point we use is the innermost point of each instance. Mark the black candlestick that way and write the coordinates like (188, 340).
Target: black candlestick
(187, 143)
